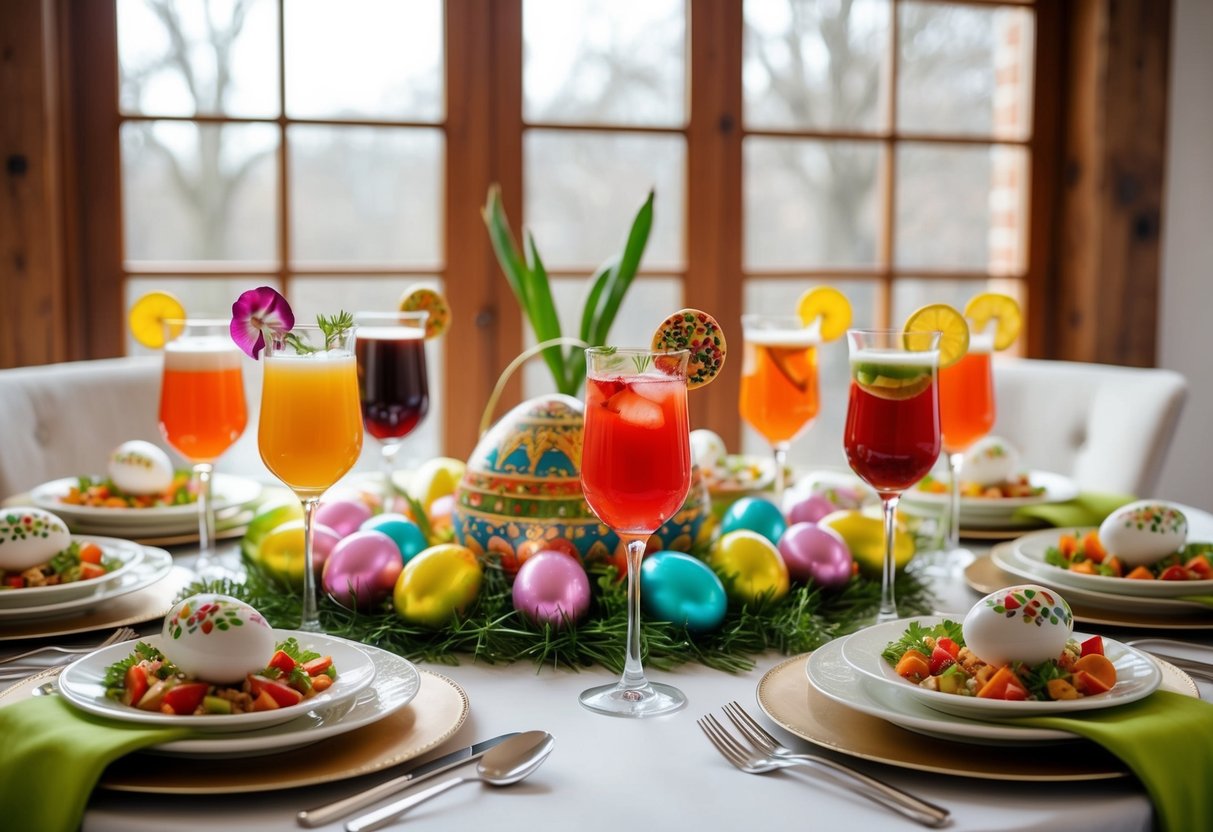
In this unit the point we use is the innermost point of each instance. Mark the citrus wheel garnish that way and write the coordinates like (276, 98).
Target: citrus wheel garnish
(830, 306)
(698, 332)
(941, 318)
(425, 299)
(1001, 308)
(148, 314)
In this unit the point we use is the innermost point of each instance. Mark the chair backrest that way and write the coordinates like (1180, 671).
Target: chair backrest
(1107, 427)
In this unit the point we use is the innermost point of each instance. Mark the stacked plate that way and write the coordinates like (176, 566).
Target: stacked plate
(162, 525)
(985, 514)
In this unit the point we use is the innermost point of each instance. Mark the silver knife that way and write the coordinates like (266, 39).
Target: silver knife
(321, 815)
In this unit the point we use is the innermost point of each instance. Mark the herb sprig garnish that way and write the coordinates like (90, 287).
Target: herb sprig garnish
(334, 328)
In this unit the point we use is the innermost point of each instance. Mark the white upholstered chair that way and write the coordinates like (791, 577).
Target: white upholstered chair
(1107, 427)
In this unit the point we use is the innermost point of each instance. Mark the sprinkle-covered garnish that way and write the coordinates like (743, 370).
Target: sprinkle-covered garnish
(698, 333)
(425, 299)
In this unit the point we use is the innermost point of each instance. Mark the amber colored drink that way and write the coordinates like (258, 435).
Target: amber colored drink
(202, 407)
(966, 400)
(892, 429)
(310, 432)
(636, 460)
(779, 396)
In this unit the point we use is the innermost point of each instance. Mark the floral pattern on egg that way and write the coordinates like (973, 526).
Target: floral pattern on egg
(1159, 519)
(26, 525)
(1034, 606)
(207, 617)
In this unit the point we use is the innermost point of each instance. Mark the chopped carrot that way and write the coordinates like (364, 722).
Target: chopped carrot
(1068, 544)
(1098, 666)
(1092, 548)
(1001, 684)
(1084, 567)
(914, 666)
(1113, 565)
(90, 552)
(1140, 573)
(1201, 566)
(321, 683)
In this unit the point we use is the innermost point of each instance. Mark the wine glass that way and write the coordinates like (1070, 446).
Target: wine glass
(892, 428)
(310, 432)
(392, 383)
(966, 414)
(202, 412)
(779, 393)
(635, 473)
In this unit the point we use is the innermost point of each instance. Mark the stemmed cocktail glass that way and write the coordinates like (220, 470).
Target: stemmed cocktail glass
(392, 381)
(202, 412)
(635, 473)
(310, 432)
(779, 393)
(892, 428)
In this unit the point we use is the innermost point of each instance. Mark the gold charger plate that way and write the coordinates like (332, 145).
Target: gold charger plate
(984, 576)
(787, 697)
(138, 607)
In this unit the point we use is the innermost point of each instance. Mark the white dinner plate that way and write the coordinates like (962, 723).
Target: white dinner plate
(1032, 547)
(831, 674)
(153, 567)
(228, 491)
(396, 682)
(1057, 489)
(125, 553)
(1009, 560)
(81, 684)
(1137, 676)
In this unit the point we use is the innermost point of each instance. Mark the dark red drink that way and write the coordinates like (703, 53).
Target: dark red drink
(392, 382)
(892, 430)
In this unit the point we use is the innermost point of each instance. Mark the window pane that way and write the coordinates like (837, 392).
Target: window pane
(364, 59)
(199, 192)
(821, 444)
(809, 64)
(810, 203)
(584, 189)
(965, 69)
(182, 59)
(366, 195)
(961, 207)
(326, 295)
(605, 61)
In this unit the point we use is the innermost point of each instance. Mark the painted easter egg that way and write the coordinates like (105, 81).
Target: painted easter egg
(552, 588)
(343, 516)
(404, 533)
(362, 570)
(1143, 532)
(756, 515)
(139, 467)
(678, 587)
(1025, 623)
(816, 554)
(30, 537)
(217, 638)
(749, 565)
(438, 584)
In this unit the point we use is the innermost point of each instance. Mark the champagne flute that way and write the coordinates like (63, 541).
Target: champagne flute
(310, 433)
(635, 473)
(892, 428)
(392, 382)
(779, 391)
(202, 412)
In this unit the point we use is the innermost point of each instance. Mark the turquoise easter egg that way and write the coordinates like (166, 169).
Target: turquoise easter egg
(683, 589)
(754, 514)
(404, 533)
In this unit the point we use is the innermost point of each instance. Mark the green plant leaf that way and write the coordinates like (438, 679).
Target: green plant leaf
(590, 309)
(621, 276)
(542, 312)
(508, 255)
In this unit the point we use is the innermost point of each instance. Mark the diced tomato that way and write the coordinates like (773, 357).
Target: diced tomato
(185, 698)
(134, 684)
(317, 666)
(284, 695)
(91, 570)
(940, 659)
(1015, 692)
(1092, 646)
(282, 662)
(1199, 565)
(90, 553)
(1174, 573)
(947, 644)
(15, 581)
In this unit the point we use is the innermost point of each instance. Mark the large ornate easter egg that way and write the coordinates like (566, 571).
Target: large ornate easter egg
(522, 490)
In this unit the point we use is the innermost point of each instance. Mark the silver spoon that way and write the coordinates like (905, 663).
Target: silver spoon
(503, 765)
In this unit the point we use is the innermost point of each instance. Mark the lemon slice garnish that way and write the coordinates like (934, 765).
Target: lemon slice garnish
(830, 306)
(148, 314)
(1001, 308)
(939, 317)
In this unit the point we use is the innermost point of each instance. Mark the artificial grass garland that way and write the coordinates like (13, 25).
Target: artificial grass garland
(493, 632)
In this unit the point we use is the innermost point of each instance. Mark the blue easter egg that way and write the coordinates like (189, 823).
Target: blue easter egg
(756, 515)
(678, 587)
(403, 532)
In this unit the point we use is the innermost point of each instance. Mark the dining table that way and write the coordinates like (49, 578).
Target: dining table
(607, 773)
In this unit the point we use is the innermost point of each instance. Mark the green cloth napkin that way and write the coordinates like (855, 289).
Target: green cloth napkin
(51, 756)
(1166, 739)
(1087, 509)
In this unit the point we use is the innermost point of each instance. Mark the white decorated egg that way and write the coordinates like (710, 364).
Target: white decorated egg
(990, 461)
(30, 537)
(217, 638)
(1143, 532)
(1025, 623)
(707, 449)
(139, 467)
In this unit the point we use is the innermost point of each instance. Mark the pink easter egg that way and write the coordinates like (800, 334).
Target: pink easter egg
(816, 554)
(342, 516)
(811, 509)
(362, 569)
(324, 540)
(551, 587)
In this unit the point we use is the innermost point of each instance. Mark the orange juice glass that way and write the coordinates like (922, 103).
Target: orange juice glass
(966, 414)
(310, 433)
(779, 391)
(202, 412)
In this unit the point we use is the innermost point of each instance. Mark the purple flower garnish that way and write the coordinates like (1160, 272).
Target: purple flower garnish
(257, 312)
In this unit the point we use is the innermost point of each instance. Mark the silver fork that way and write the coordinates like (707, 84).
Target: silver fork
(1193, 667)
(751, 762)
(12, 663)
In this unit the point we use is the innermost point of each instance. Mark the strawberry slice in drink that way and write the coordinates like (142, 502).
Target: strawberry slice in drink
(636, 410)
